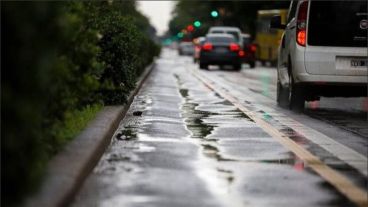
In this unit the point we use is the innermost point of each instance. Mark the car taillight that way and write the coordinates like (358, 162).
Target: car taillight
(301, 24)
(207, 46)
(253, 48)
(301, 37)
(234, 47)
(241, 53)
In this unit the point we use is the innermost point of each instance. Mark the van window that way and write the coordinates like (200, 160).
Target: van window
(292, 10)
(337, 23)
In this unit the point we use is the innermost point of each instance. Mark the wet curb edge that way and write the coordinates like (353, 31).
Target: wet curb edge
(67, 171)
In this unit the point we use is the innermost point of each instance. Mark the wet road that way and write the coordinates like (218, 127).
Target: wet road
(217, 138)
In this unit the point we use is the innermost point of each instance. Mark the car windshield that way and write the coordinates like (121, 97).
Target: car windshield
(337, 23)
(220, 39)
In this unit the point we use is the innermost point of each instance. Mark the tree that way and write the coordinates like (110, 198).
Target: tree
(241, 14)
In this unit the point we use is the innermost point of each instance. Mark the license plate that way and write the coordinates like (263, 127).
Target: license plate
(358, 63)
(221, 50)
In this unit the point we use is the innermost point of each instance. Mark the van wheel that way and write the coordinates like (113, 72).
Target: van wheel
(296, 95)
(282, 96)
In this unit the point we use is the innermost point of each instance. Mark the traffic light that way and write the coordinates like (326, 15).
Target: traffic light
(214, 13)
(180, 35)
(190, 28)
(197, 23)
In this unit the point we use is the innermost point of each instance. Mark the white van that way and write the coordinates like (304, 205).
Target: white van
(236, 32)
(323, 51)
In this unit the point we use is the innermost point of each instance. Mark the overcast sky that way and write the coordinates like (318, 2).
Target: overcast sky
(158, 13)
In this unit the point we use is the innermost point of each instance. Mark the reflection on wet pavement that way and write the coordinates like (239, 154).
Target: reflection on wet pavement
(182, 144)
(238, 141)
(355, 123)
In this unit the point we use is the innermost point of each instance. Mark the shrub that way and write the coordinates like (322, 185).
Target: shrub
(62, 61)
(125, 49)
(29, 65)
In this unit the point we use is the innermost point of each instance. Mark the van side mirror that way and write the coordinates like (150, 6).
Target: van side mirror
(276, 23)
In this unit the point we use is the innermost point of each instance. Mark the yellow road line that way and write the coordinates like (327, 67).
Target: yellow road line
(340, 182)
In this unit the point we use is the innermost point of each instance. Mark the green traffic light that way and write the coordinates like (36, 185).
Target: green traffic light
(197, 23)
(214, 13)
(180, 35)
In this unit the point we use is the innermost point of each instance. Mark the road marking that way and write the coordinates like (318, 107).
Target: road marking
(340, 182)
(344, 153)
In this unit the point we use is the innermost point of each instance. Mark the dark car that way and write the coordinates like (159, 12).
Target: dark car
(249, 50)
(221, 49)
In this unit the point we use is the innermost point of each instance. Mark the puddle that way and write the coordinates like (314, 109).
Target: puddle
(127, 133)
(210, 151)
(184, 92)
(194, 120)
(145, 148)
(118, 158)
(225, 102)
(240, 114)
(200, 129)
(228, 175)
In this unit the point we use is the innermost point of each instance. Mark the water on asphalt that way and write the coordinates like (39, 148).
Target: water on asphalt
(181, 144)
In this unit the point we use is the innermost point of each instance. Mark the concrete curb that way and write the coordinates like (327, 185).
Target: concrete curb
(67, 171)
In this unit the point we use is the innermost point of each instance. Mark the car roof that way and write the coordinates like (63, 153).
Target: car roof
(225, 28)
(201, 38)
(219, 35)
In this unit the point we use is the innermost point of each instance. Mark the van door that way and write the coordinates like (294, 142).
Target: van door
(337, 38)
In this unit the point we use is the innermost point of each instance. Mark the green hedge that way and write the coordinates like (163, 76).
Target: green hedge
(61, 61)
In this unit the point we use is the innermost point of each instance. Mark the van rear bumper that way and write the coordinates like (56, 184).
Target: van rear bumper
(333, 86)
(335, 90)
(331, 79)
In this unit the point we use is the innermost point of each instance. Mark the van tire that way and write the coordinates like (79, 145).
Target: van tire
(292, 97)
(282, 95)
(296, 96)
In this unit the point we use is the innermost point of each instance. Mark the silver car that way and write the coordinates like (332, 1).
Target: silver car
(186, 48)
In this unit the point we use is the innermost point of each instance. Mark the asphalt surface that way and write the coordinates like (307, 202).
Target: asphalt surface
(184, 144)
